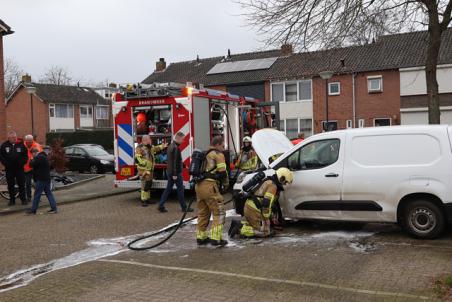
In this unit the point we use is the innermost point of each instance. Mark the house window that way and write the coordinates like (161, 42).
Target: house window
(291, 92)
(86, 112)
(52, 110)
(102, 112)
(61, 110)
(305, 90)
(375, 84)
(306, 127)
(361, 123)
(349, 124)
(382, 122)
(330, 126)
(334, 88)
(292, 128)
(107, 94)
(282, 126)
(278, 92)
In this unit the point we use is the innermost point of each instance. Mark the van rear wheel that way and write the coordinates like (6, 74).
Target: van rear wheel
(423, 219)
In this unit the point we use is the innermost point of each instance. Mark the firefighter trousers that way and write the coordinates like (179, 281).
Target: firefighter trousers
(254, 224)
(209, 202)
(146, 185)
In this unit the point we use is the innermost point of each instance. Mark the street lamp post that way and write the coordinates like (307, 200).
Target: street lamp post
(31, 90)
(326, 75)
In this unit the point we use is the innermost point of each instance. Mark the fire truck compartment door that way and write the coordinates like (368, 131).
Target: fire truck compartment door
(201, 123)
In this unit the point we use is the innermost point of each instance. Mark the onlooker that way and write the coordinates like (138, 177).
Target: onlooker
(41, 176)
(13, 155)
(30, 144)
(174, 172)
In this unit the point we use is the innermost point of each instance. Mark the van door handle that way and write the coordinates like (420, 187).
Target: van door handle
(332, 175)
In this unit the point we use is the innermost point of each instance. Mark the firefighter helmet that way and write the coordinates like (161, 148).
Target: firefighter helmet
(141, 117)
(247, 139)
(285, 176)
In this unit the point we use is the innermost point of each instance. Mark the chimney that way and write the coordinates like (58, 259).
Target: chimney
(286, 49)
(113, 85)
(26, 78)
(160, 65)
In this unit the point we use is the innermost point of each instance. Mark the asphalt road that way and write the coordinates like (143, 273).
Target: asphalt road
(79, 255)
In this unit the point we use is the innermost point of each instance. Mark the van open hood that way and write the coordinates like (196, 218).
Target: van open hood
(269, 142)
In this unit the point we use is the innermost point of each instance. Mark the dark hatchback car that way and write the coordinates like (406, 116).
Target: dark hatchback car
(89, 157)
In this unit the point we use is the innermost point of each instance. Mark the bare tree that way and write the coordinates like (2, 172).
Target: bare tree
(326, 23)
(56, 75)
(13, 74)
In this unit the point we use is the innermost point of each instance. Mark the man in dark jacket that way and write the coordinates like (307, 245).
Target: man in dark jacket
(41, 176)
(174, 172)
(14, 155)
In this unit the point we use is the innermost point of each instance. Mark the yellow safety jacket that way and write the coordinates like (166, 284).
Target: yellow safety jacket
(247, 160)
(215, 167)
(265, 196)
(145, 157)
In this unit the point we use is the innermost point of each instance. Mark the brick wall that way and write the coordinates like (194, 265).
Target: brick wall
(2, 96)
(385, 104)
(18, 115)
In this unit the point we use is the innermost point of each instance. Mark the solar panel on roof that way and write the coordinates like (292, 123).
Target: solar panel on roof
(245, 65)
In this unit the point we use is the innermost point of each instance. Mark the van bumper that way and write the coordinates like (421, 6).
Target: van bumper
(448, 207)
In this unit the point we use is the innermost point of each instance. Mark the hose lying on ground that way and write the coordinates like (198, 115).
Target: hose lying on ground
(173, 227)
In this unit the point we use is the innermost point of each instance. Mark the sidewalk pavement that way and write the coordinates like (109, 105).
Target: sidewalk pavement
(101, 187)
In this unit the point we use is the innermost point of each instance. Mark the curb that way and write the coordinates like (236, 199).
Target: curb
(75, 200)
(75, 184)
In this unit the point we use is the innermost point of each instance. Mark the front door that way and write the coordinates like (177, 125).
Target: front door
(316, 189)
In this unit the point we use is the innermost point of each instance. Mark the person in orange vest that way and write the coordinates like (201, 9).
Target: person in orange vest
(30, 144)
(299, 139)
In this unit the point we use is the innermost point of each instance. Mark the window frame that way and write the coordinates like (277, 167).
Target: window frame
(108, 112)
(299, 126)
(369, 78)
(382, 118)
(349, 124)
(330, 121)
(87, 111)
(363, 123)
(285, 161)
(297, 83)
(54, 107)
(338, 88)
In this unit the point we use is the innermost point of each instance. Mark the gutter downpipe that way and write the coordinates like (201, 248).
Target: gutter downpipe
(353, 100)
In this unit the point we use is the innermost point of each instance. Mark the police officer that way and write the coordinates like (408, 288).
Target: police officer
(208, 194)
(247, 160)
(258, 208)
(145, 161)
(13, 155)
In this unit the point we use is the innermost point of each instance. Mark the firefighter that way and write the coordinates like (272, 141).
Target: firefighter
(247, 160)
(258, 207)
(208, 195)
(145, 160)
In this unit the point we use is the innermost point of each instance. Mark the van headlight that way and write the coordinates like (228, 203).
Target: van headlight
(240, 178)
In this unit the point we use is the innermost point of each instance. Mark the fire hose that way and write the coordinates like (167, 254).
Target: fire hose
(173, 228)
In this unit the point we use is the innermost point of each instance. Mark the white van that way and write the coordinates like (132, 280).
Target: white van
(398, 174)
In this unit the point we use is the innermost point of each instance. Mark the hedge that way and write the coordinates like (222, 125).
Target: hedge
(99, 137)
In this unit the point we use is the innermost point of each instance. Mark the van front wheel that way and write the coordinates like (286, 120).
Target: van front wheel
(423, 219)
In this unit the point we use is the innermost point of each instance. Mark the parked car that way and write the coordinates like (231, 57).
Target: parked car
(398, 174)
(89, 157)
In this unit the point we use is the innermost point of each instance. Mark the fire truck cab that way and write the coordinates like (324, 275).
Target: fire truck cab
(161, 110)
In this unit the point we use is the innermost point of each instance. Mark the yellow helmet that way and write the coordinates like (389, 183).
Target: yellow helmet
(247, 139)
(285, 176)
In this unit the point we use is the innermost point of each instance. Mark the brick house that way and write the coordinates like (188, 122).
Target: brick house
(4, 30)
(364, 90)
(56, 108)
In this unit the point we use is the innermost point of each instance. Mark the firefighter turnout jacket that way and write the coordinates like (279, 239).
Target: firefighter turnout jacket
(145, 158)
(258, 210)
(247, 160)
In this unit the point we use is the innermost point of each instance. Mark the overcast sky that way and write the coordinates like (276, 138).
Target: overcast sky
(120, 40)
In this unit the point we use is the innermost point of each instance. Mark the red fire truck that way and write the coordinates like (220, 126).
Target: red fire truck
(161, 110)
